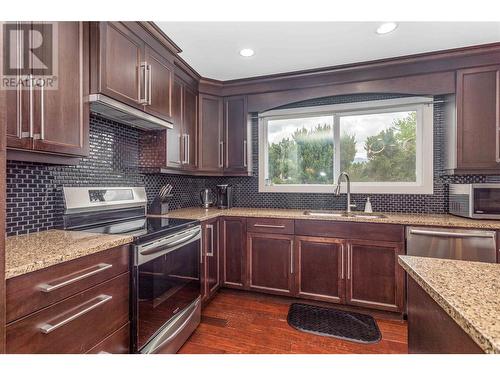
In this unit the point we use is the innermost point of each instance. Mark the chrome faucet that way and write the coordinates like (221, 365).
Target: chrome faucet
(337, 190)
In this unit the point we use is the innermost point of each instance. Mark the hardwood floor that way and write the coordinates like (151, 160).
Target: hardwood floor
(237, 322)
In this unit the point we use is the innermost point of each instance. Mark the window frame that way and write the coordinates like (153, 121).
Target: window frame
(424, 157)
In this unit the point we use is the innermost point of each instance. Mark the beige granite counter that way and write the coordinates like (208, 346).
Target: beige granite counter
(202, 214)
(469, 292)
(32, 252)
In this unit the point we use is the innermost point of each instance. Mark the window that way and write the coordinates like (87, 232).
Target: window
(385, 146)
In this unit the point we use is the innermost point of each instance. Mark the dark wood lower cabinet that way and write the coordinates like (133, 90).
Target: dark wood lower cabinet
(319, 262)
(211, 259)
(430, 328)
(270, 262)
(116, 343)
(374, 277)
(234, 244)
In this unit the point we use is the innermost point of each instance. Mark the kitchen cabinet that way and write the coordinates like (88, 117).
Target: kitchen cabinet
(271, 266)
(236, 135)
(52, 116)
(475, 148)
(189, 126)
(234, 247)
(211, 259)
(50, 310)
(321, 267)
(210, 133)
(374, 278)
(129, 69)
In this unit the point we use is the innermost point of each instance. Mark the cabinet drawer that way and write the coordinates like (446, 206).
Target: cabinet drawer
(355, 231)
(36, 290)
(116, 343)
(266, 225)
(74, 325)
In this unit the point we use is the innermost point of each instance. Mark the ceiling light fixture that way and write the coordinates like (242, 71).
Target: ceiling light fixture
(247, 52)
(386, 28)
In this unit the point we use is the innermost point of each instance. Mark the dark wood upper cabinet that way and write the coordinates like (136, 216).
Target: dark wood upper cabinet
(270, 263)
(55, 120)
(161, 77)
(210, 133)
(117, 63)
(320, 265)
(175, 135)
(190, 126)
(234, 246)
(478, 118)
(374, 277)
(236, 135)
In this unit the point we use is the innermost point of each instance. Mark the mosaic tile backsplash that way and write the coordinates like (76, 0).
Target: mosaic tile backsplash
(35, 202)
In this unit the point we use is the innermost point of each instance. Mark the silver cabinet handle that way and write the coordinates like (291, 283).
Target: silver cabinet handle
(245, 151)
(143, 99)
(291, 258)
(226, 151)
(342, 260)
(349, 259)
(46, 287)
(187, 144)
(221, 154)
(42, 111)
(31, 99)
(210, 253)
(451, 234)
(184, 161)
(269, 226)
(150, 75)
(48, 328)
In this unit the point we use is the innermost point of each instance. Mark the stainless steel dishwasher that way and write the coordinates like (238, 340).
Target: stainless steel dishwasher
(462, 244)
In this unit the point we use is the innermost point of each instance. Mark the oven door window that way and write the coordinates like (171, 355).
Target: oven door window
(166, 285)
(487, 201)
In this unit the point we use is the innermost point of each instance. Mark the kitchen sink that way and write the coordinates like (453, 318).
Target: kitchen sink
(361, 215)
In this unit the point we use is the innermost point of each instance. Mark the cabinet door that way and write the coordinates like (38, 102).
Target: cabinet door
(236, 128)
(210, 147)
(234, 243)
(374, 277)
(212, 257)
(321, 268)
(271, 267)
(189, 124)
(161, 74)
(60, 121)
(121, 67)
(174, 135)
(478, 118)
(17, 106)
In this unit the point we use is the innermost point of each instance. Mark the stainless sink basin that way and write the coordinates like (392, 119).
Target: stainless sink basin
(361, 215)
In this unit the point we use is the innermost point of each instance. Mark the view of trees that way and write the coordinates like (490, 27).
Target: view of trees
(307, 156)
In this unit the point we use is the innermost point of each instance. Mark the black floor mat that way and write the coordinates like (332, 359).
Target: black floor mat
(326, 321)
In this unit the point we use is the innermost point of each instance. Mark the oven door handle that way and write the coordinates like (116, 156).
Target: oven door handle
(169, 245)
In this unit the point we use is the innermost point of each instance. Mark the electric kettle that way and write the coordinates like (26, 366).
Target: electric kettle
(208, 198)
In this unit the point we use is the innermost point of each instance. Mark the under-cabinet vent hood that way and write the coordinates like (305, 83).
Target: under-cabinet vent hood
(125, 114)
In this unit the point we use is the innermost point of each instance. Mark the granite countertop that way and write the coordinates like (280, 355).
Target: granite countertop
(31, 252)
(202, 214)
(469, 292)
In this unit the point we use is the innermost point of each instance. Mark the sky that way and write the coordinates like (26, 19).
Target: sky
(362, 126)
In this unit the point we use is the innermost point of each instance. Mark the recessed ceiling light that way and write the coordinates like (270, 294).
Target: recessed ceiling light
(387, 27)
(247, 52)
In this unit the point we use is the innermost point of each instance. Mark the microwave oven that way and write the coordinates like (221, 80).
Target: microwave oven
(476, 201)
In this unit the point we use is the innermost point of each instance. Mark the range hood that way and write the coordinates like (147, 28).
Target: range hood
(125, 114)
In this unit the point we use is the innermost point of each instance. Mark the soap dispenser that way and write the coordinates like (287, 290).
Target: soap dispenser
(368, 206)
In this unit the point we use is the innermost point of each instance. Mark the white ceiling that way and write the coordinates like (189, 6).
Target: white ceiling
(212, 48)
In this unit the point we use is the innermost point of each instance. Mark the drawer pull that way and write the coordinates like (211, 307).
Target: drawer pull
(100, 268)
(47, 327)
(269, 226)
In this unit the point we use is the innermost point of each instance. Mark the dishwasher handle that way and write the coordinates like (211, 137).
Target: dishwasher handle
(424, 232)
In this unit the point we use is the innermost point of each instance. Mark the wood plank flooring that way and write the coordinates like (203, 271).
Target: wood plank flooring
(237, 322)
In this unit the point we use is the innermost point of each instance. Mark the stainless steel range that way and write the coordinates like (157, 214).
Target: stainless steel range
(166, 302)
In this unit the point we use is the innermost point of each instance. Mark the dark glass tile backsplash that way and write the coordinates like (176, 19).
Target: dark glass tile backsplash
(35, 202)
